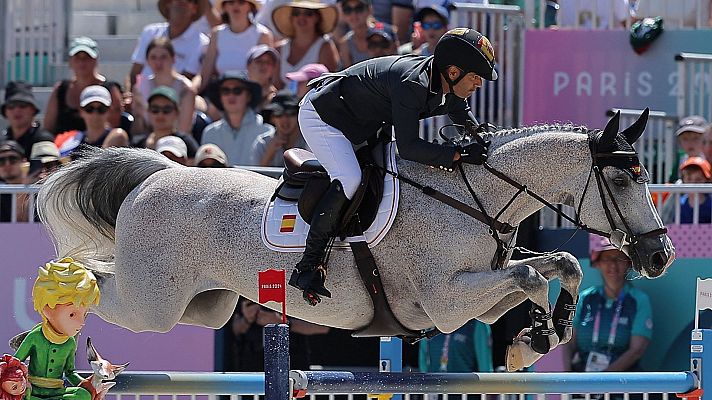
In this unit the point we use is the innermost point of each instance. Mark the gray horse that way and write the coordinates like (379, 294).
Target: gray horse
(173, 245)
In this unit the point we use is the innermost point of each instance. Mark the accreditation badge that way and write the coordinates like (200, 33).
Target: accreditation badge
(597, 362)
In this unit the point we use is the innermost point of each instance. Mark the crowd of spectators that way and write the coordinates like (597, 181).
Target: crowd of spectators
(229, 73)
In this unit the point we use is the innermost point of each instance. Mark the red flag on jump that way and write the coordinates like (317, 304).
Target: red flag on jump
(272, 288)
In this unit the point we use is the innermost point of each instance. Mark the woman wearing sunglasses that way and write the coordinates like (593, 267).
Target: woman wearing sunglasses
(613, 323)
(433, 25)
(231, 41)
(163, 115)
(305, 25)
(353, 47)
(94, 104)
(161, 57)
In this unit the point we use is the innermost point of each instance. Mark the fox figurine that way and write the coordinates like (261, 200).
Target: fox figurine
(103, 370)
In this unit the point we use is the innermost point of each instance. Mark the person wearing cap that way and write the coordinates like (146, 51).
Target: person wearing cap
(161, 57)
(13, 171)
(189, 43)
(261, 67)
(433, 21)
(94, 104)
(358, 15)
(299, 79)
(268, 149)
(695, 170)
(173, 148)
(163, 111)
(231, 41)
(690, 137)
(305, 25)
(62, 113)
(44, 159)
(210, 156)
(382, 41)
(613, 324)
(20, 109)
(237, 97)
(352, 106)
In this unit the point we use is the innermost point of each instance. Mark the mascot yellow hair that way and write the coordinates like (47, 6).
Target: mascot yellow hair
(64, 282)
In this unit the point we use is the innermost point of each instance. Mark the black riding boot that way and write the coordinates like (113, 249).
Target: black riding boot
(310, 272)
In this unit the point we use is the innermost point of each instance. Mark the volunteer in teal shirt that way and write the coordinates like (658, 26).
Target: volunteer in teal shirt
(468, 349)
(614, 322)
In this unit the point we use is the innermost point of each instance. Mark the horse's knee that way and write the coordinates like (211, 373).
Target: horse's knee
(569, 266)
(533, 283)
(528, 278)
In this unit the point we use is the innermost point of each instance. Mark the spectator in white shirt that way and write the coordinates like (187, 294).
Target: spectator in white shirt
(189, 43)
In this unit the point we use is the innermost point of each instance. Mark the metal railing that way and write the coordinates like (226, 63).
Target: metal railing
(665, 197)
(612, 14)
(694, 89)
(658, 146)
(319, 384)
(35, 37)
(498, 102)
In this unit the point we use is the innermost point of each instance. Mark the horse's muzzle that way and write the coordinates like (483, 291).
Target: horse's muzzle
(652, 256)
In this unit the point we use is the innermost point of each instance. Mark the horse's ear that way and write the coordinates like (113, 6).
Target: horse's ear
(610, 132)
(633, 132)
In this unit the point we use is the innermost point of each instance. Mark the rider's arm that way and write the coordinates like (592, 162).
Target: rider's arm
(407, 104)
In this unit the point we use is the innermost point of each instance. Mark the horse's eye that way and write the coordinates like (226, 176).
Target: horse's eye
(620, 181)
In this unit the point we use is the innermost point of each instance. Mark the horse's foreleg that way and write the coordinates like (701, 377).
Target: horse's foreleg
(566, 267)
(476, 293)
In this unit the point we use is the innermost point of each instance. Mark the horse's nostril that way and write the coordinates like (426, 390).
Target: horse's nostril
(658, 260)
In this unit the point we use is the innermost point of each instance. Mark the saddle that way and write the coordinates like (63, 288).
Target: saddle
(305, 180)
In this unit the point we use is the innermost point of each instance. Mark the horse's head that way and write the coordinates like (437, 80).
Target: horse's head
(617, 202)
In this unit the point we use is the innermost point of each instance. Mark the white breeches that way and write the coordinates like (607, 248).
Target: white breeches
(333, 150)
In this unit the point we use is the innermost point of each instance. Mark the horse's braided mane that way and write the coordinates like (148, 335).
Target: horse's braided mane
(534, 129)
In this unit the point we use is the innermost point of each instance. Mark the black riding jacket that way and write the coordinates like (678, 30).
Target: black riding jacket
(394, 90)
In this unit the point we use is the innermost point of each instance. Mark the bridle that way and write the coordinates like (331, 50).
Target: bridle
(618, 236)
(626, 160)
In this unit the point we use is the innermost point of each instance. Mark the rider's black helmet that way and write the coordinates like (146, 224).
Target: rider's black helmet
(468, 50)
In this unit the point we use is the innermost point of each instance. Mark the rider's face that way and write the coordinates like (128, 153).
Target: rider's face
(467, 85)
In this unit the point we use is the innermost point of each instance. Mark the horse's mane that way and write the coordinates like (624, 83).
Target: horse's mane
(536, 129)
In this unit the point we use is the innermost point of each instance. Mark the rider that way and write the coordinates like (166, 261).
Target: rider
(349, 107)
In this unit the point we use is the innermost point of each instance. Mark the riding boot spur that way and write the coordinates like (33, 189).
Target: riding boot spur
(310, 273)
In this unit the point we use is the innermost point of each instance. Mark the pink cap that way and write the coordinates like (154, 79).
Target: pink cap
(307, 73)
(597, 245)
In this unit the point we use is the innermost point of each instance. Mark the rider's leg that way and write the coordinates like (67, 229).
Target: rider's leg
(336, 154)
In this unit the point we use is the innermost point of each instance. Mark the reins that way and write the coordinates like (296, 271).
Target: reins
(618, 237)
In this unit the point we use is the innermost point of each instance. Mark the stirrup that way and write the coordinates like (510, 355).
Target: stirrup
(311, 282)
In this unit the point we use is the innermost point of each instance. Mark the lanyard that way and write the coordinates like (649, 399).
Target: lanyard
(444, 355)
(614, 322)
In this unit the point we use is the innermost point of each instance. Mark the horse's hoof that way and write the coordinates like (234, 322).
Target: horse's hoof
(514, 357)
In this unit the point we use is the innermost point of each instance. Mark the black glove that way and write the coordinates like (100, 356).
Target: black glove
(474, 152)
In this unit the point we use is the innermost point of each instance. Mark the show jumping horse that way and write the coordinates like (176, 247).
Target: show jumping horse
(172, 244)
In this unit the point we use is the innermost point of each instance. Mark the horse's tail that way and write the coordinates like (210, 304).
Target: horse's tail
(80, 202)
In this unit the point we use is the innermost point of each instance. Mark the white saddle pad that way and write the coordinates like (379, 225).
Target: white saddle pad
(284, 230)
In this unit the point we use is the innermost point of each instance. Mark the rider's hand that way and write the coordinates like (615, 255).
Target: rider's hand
(474, 153)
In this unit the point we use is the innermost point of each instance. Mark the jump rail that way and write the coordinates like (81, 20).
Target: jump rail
(315, 382)
(318, 382)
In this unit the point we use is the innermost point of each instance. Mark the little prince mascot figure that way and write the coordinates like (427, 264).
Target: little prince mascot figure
(62, 295)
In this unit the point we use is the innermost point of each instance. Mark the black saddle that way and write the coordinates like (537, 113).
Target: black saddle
(305, 181)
